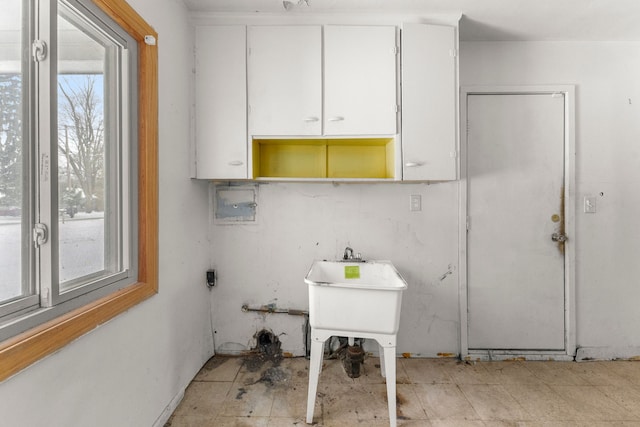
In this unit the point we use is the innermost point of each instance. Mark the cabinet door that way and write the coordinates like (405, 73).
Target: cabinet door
(285, 80)
(360, 80)
(429, 94)
(221, 106)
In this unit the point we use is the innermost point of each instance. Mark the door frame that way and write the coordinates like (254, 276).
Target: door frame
(569, 217)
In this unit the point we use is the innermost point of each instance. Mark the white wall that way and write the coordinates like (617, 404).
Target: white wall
(127, 371)
(299, 222)
(608, 163)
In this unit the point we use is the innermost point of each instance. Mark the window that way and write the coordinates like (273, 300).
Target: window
(78, 171)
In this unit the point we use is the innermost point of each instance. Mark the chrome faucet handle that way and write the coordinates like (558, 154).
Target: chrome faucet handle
(348, 253)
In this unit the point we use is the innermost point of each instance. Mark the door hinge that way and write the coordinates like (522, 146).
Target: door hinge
(468, 223)
(453, 53)
(396, 50)
(40, 234)
(39, 50)
(453, 154)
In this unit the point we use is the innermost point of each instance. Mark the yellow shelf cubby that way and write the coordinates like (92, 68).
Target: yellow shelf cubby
(343, 158)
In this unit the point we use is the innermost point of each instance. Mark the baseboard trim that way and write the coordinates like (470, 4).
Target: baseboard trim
(171, 407)
(585, 354)
(515, 355)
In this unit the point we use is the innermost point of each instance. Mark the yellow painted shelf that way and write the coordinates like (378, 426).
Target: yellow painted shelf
(324, 158)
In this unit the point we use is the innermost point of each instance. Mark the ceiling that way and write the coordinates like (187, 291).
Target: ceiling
(588, 20)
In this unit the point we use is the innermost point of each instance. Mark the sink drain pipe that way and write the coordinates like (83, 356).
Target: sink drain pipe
(270, 309)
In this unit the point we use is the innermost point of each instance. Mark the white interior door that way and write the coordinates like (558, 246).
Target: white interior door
(515, 269)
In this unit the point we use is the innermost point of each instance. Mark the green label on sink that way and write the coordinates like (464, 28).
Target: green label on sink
(351, 271)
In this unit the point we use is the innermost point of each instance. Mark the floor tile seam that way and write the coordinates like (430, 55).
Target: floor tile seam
(273, 399)
(635, 416)
(229, 388)
(619, 408)
(466, 398)
(221, 417)
(533, 372)
(548, 387)
(578, 417)
(428, 383)
(587, 376)
(235, 377)
(459, 383)
(592, 383)
(530, 417)
(416, 398)
(229, 400)
(553, 379)
(518, 375)
(426, 408)
(624, 388)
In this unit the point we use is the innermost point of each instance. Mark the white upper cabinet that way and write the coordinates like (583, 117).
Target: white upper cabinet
(360, 80)
(285, 80)
(221, 106)
(429, 102)
(294, 82)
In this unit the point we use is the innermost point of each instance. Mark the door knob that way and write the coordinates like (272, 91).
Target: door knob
(557, 237)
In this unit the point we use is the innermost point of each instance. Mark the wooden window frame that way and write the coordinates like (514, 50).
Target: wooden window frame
(18, 352)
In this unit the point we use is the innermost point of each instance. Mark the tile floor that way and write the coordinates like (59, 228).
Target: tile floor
(431, 392)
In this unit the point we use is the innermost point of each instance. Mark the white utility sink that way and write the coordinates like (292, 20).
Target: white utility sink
(354, 299)
(355, 296)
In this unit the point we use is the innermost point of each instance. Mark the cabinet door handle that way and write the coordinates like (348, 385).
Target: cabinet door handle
(336, 119)
(311, 119)
(236, 163)
(413, 164)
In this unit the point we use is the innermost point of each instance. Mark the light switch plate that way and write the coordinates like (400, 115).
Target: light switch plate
(589, 204)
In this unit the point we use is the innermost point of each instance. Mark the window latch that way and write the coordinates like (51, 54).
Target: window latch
(40, 234)
(39, 50)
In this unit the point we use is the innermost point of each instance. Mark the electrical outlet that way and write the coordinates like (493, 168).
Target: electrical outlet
(415, 203)
(211, 278)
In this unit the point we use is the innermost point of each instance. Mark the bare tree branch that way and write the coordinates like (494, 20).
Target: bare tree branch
(82, 143)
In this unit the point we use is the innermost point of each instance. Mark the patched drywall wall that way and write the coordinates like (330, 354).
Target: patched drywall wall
(265, 263)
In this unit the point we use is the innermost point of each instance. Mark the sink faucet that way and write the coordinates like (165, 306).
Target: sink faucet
(349, 255)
